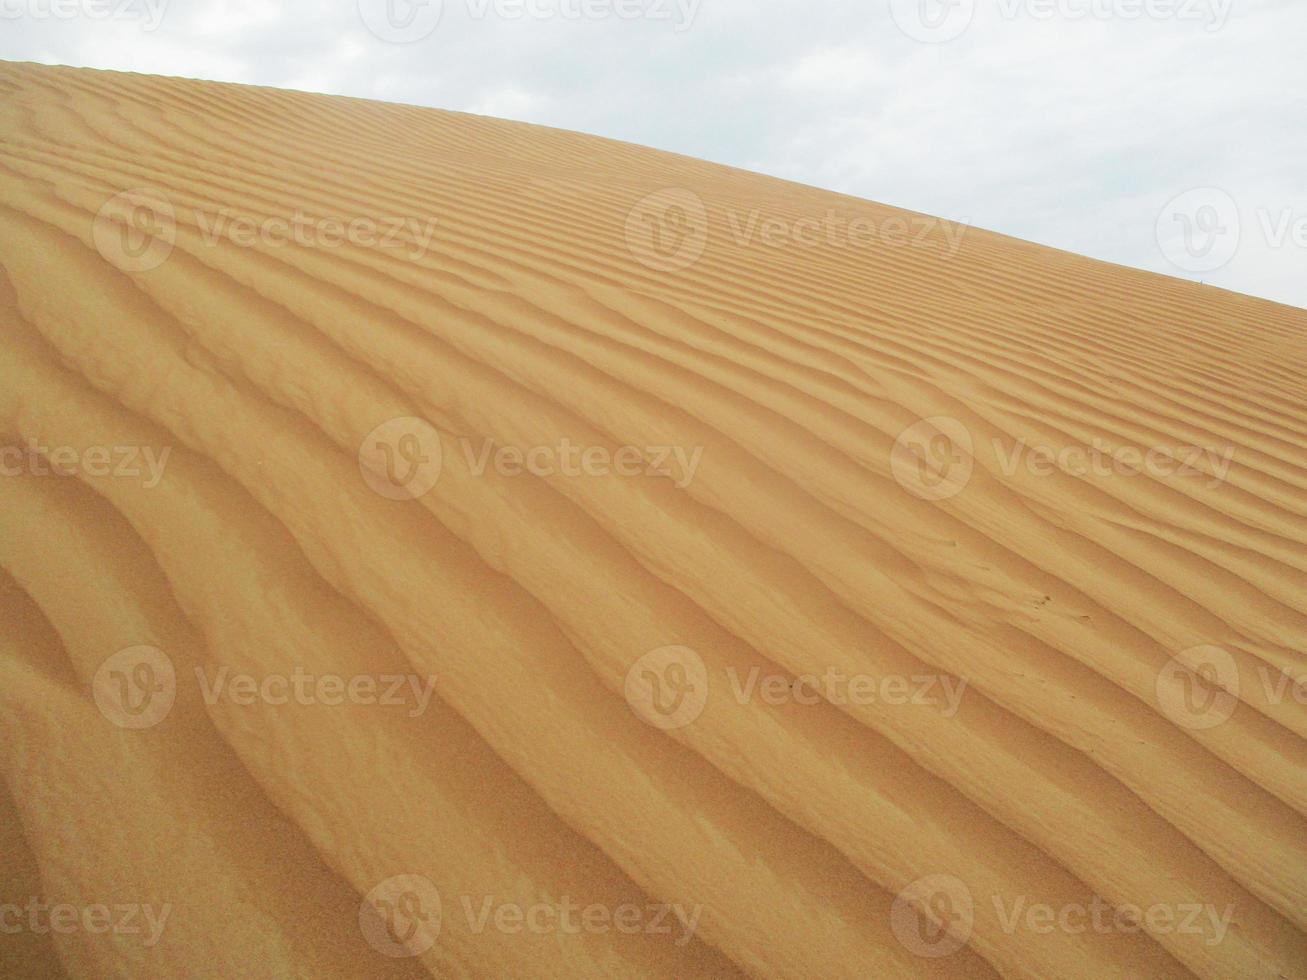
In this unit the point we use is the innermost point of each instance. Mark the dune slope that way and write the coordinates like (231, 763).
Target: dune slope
(435, 544)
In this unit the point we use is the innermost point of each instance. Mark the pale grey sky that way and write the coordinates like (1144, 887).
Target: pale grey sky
(1169, 135)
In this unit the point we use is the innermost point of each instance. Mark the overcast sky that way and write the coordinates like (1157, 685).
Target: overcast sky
(1165, 134)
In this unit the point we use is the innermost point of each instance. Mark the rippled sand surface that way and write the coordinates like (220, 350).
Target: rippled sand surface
(440, 545)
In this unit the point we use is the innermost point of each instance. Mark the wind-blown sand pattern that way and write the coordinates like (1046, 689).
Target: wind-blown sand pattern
(714, 576)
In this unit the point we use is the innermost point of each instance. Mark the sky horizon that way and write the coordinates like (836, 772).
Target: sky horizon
(1154, 134)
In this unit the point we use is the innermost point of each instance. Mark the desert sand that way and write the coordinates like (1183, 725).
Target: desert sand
(436, 545)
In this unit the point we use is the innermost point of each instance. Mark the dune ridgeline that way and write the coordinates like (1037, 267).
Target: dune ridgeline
(436, 545)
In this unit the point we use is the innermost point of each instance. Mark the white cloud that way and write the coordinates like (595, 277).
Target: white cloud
(1073, 129)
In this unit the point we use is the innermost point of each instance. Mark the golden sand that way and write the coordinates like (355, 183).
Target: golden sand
(435, 544)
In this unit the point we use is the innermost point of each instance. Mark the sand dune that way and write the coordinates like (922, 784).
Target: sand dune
(434, 544)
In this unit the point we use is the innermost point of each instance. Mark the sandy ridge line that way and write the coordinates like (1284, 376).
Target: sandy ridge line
(320, 105)
(435, 823)
(199, 137)
(215, 863)
(847, 928)
(547, 538)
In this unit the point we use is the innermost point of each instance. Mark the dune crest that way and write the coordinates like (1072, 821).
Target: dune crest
(440, 545)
